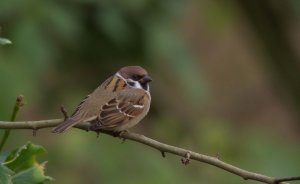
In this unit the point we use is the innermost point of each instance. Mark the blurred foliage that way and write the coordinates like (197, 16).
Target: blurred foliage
(216, 88)
(5, 41)
(5, 174)
(21, 167)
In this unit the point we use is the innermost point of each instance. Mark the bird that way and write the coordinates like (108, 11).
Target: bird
(118, 104)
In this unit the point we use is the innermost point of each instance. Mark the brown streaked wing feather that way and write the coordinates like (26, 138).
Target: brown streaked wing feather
(114, 84)
(89, 106)
(122, 109)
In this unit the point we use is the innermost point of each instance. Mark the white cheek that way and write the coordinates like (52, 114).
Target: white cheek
(136, 84)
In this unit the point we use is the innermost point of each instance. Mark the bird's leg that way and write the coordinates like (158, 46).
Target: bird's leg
(98, 133)
(95, 127)
(119, 133)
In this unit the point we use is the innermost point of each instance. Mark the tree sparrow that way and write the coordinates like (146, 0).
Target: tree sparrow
(117, 104)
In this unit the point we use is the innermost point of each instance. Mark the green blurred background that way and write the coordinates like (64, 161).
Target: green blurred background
(226, 80)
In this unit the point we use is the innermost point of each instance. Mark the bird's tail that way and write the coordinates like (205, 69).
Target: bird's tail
(64, 125)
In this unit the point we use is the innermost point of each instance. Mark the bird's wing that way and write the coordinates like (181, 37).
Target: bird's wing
(89, 108)
(129, 104)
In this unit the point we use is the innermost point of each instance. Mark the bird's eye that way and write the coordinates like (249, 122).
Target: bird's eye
(136, 77)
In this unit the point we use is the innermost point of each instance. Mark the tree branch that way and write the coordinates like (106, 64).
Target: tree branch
(163, 148)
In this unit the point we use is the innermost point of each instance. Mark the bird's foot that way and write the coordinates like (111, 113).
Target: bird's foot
(119, 133)
(98, 133)
(94, 128)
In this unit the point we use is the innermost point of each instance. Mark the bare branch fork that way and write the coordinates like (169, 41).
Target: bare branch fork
(163, 148)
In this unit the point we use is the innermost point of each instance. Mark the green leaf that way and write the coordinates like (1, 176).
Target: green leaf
(24, 157)
(5, 175)
(33, 175)
(23, 162)
(4, 41)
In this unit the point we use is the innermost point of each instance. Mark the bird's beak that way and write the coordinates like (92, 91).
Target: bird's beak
(145, 79)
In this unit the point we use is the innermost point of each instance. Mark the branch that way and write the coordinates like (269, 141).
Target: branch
(163, 148)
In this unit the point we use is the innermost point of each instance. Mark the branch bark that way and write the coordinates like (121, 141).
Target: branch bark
(163, 148)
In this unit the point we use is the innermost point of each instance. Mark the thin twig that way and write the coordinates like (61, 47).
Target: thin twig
(293, 178)
(19, 103)
(63, 110)
(163, 154)
(163, 148)
(186, 159)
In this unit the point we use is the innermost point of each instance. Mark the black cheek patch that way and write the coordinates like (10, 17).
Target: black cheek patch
(131, 84)
(144, 86)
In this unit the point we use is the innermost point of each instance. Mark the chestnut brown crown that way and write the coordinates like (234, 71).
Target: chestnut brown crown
(135, 73)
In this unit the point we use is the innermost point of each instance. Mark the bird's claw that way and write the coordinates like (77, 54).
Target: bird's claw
(119, 133)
